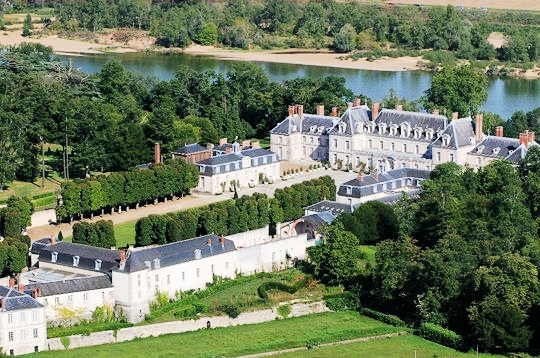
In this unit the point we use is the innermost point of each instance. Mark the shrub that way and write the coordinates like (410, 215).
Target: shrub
(231, 310)
(272, 285)
(383, 317)
(342, 301)
(438, 334)
(284, 311)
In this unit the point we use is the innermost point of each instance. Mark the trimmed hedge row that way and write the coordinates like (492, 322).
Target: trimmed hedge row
(343, 301)
(273, 285)
(435, 333)
(383, 317)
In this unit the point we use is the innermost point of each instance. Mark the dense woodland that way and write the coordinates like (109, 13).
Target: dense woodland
(464, 255)
(341, 26)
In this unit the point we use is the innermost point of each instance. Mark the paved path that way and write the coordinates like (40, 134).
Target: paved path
(188, 202)
(363, 339)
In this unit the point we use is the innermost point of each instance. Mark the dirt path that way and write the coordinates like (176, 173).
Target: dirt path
(363, 339)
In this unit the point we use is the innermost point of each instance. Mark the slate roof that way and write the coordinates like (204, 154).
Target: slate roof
(81, 284)
(256, 152)
(352, 117)
(499, 147)
(38, 245)
(320, 218)
(87, 256)
(305, 125)
(176, 253)
(333, 207)
(190, 149)
(16, 300)
(221, 159)
(415, 119)
(363, 187)
(461, 132)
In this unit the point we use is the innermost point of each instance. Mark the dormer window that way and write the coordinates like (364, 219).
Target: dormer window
(445, 139)
(148, 264)
(156, 264)
(417, 132)
(405, 129)
(97, 265)
(429, 134)
(359, 128)
(197, 254)
(342, 127)
(320, 129)
(393, 129)
(54, 256)
(382, 128)
(496, 150)
(76, 261)
(312, 128)
(480, 149)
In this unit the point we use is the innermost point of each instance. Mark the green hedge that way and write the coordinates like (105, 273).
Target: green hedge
(342, 301)
(273, 285)
(438, 334)
(85, 328)
(383, 317)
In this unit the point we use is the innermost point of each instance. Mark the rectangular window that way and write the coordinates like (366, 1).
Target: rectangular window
(451, 157)
(183, 276)
(279, 140)
(347, 145)
(36, 331)
(97, 265)
(212, 269)
(111, 295)
(10, 336)
(370, 144)
(303, 139)
(198, 272)
(438, 156)
(157, 278)
(168, 279)
(102, 295)
(85, 296)
(392, 146)
(405, 147)
(70, 298)
(139, 280)
(54, 256)
(23, 335)
(416, 149)
(311, 139)
(56, 300)
(381, 144)
(10, 318)
(335, 143)
(76, 261)
(227, 265)
(35, 315)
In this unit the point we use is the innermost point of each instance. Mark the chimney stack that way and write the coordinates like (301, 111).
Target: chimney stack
(478, 126)
(455, 115)
(53, 240)
(11, 282)
(375, 174)
(157, 153)
(34, 293)
(209, 242)
(300, 111)
(291, 111)
(499, 131)
(436, 112)
(334, 111)
(222, 240)
(526, 138)
(222, 141)
(361, 176)
(246, 144)
(399, 107)
(375, 110)
(122, 256)
(320, 110)
(21, 287)
(3, 303)
(356, 102)
(255, 144)
(531, 136)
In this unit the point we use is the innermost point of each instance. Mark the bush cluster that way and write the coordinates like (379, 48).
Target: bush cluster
(342, 301)
(99, 234)
(273, 285)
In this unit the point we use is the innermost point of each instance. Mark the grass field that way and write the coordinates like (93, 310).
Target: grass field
(125, 234)
(282, 334)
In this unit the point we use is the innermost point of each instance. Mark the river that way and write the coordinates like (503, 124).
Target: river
(506, 95)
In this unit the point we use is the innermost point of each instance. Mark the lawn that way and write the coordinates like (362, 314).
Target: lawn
(243, 292)
(240, 340)
(404, 346)
(125, 234)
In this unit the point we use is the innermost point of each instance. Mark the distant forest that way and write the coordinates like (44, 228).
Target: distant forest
(452, 32)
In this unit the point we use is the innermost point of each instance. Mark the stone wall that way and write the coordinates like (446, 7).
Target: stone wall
(130, 333)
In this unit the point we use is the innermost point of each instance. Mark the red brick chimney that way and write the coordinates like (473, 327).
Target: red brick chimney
(455, 115)
(291, 111)
(209, 242)
(360, 176)
(122, 256)
(21, 287)
(375, 110)
(436, 112)
(334, 111)
(356, 102)
(478, 126)
(399, 107)
(320, 110)
(11, 282)
(499, 131)
(53, 239)
(255, 144)
(526, 138)
(300, 111)
(531, 137)
(157, 153)
(222, 141)
(246, 144)
(222, 240)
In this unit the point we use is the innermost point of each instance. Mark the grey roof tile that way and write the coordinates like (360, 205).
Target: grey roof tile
(80, 284)
(177, 252)
(16, 300)
(415, 119)
(190, 149)
(87, 256)
(333, 207)
(460, 132)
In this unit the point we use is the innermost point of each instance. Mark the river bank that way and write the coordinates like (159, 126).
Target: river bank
(125, 41)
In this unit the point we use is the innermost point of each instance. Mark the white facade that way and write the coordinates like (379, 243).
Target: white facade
(22, 330)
